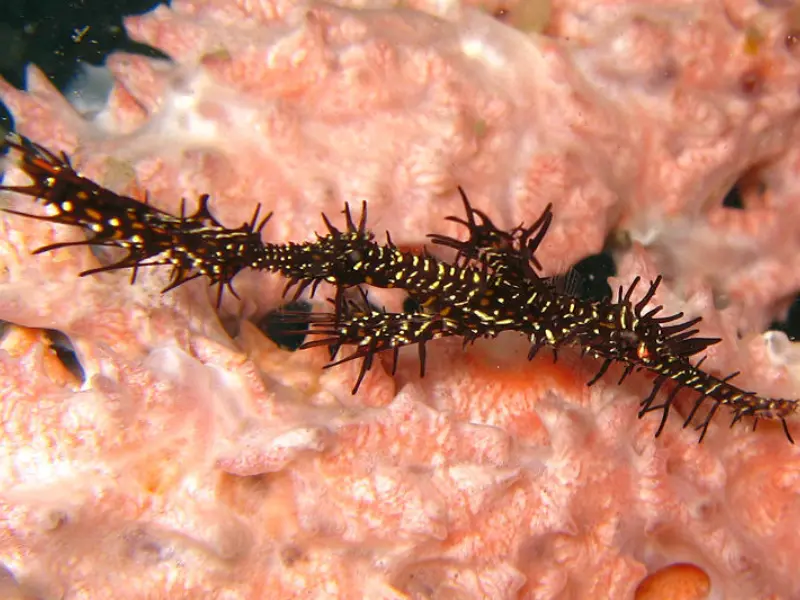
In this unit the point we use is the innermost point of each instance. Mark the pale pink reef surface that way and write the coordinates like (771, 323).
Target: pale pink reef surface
(194, 464)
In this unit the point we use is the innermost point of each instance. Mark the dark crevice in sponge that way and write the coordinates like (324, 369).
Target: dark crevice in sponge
(283, 327)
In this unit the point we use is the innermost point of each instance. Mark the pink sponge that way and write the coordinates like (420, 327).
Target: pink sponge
(193, 463)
